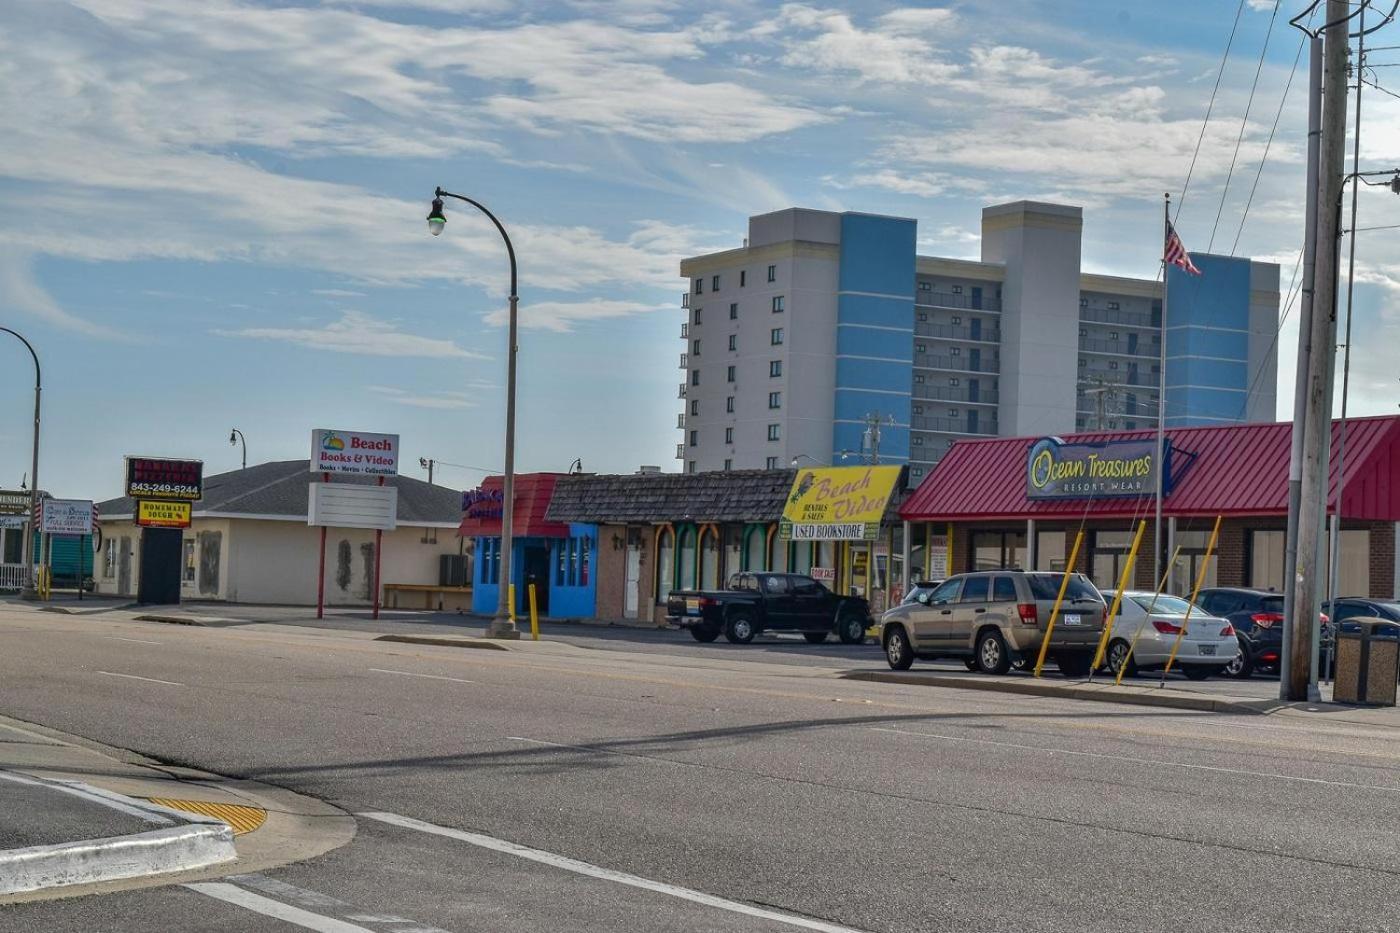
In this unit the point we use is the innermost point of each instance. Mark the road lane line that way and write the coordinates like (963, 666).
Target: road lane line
(1142, 761)
(93, 795)
(455, 680)
(149, 680)
(232, 894)
(606, 874)
(139, 641)
(315, 900)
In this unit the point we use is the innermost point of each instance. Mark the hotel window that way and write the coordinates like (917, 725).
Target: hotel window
(729, 405)
(697, 315)
(690, 467)
(1112, 364)
(695, 348)
(956, 351)
(729, 374)
(775, 400)
(777, 304)
(694, 438)
(925, 286)
(952, 413)
(954, 381)
(772, 273)
(918, 409)
(922, 317)
(1083, 332)
(771, 463)
(957, 289)
(714, 284)
(695, 406)
(734, 311)
(733, 342)
(699, 286)
(695, 377)
(775, 336)
(920, 348)
(729, 435)
(728, 464)
(743, 277)
(1113, 335)
(1084, 302)
(1113, 306)
(775, 367)
(1083, 362)
(773, 432)
(918, 379)
(918, 441)
(956, 319)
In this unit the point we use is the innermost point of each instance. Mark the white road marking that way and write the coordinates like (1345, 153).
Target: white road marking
(139, 641)
(606, 874)
(232, 894)
(149, 680)
(315, 899)
(1141, 761)
(92, 795)
(455, 680)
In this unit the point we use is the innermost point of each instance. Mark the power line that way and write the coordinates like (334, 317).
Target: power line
(1366, 229)
(1244, 123)
(1209, 107)
(1268, 145)
(1381, 89)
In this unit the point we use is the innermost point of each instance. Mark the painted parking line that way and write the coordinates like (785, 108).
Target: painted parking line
(315, 900)
(232, 894)
(149, 680)
(606, 874)
(304, 916)
(455, 680)
(138, 641)
(1154, 762)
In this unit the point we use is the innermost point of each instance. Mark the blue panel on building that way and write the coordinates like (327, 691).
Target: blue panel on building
(877, 311)
(1200, 341)
(1207, 338)
(1217, 374)
(877, 254)
(874, 374)
(855, 404)
(1206, 406)
(875, 343)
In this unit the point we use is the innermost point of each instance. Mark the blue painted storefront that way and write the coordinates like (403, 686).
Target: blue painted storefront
(566, 583)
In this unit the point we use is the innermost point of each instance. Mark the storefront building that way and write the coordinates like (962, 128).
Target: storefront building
(1020, 502)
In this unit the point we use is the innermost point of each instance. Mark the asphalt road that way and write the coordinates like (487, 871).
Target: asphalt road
(560, 788)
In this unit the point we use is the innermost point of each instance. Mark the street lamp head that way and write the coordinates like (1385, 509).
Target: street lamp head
(436, 218)
(1395, 184)
(423, 462)
(233, 437)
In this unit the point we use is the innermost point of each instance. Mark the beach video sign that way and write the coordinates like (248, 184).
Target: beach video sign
(354, 452)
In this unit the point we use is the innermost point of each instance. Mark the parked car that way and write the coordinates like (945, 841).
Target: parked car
(1360, 607)
(920, 586)
(755, 603)
(1155, 622)
(991, 619)
(1257, 616)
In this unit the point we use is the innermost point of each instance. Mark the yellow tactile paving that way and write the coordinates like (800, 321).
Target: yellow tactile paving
(242, 819)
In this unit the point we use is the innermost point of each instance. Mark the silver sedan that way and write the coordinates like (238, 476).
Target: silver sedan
(1156, 621)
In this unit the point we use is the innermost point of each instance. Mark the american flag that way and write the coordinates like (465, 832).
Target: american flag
(1176, 254)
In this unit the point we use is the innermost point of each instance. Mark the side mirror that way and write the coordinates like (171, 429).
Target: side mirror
(922, 598)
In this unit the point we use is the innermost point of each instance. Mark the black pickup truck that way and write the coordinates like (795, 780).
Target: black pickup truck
(761, 602)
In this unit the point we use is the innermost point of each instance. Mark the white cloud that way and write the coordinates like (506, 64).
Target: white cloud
(896, 51)
(564, 316)
(435, 400)
(360, 334)
(23, 293)
(1262, 6)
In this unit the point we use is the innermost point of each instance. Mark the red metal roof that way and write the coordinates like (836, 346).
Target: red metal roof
(1240, 469)
(533, 492)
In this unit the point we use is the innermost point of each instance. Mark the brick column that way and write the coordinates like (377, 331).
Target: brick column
(1382, 560)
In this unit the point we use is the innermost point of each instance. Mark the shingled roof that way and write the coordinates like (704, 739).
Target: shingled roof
(641, 498)
(281, 489)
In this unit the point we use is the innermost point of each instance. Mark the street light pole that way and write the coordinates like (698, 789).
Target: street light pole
(234, 437)
(28, 591)
(503, 625)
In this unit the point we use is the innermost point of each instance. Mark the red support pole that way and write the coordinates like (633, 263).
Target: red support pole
(378, 549)
(321, 569)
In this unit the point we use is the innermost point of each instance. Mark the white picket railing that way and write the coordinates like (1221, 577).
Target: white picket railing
(13, 576)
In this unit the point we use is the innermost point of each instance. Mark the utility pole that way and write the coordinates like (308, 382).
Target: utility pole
(1300, 649)
(427, 464)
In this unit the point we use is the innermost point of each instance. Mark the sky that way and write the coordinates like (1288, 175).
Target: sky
(213, 212)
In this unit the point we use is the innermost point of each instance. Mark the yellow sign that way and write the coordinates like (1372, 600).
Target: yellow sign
(163, 514)
(838, 503)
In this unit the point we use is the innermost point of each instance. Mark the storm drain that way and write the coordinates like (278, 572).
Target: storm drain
(242, 819)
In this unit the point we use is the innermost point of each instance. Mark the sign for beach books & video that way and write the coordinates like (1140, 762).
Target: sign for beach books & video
(837, 503)
(354, 452)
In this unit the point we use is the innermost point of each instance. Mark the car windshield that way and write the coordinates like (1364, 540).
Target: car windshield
(1166, 605)
(1046, 586)
(1271, 604)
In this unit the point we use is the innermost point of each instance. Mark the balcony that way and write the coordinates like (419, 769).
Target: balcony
(685, 361)
(962, 302)
(685, 328)
(1128, 318)
(680, 419)
(958, 332)
(958, 364)
(685, 299)
(680, 451)
(1119, 347)
(953, 426)
(956, 394)
(680, 393)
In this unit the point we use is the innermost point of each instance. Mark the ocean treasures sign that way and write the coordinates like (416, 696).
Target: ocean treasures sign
(837, 503)
(1056, 470)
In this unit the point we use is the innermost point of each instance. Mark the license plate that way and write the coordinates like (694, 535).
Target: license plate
(1073, 618)
(1206, 649)
(692, 607)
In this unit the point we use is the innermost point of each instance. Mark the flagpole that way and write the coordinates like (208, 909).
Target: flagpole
(1161, 395)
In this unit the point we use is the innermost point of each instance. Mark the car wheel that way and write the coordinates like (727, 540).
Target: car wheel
(851, 630)
(1119, 653)
(815, 638)
(739, 630)
(1241, 665)
(704, 633)
(992, 656)
(1073, 665)
(971, 664)
(897, 651)
(1197, 671)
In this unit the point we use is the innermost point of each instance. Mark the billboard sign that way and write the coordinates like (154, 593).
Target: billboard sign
(163, 478)
(156, 513)
(837, 503)
(1056, 470)
(354, 452)
(341, 505)
(66, 517)
(14, 502)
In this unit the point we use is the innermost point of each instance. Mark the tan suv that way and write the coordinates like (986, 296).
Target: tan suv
(991, 619)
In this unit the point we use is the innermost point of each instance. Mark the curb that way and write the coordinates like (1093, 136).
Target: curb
(161, 851)
(200, 621)
(1130, 695)
(446, 641)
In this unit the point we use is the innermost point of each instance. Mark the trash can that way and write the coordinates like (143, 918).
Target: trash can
(1368, 662)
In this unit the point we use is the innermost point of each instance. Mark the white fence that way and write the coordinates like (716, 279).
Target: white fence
(13, 576)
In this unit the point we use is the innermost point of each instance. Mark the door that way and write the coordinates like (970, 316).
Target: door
(974, 359)
(935, 617)
(124, 567)
(977, 297)
(633, 582)
(955, 631)
(975, 328)
(160, 566)
(777, 601)
(813, 605)
(536, 572)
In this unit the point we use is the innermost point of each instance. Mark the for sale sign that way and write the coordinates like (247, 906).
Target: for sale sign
(354, 452)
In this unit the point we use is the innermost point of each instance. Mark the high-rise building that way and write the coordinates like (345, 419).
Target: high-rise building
(827, 331)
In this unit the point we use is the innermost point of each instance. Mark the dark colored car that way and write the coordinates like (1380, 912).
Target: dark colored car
(1360, 607)
(760, 602)
(1257, 616)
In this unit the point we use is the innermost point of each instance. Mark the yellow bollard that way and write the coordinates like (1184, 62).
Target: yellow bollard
(1123, 582)
(1161, 585)
(534, 615)
(1200, 581)
(511, 596)
(1055, 612)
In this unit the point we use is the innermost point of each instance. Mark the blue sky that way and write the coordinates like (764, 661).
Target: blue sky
(214, 211)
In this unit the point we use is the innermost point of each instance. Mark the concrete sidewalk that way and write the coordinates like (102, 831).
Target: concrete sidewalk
(76, 818)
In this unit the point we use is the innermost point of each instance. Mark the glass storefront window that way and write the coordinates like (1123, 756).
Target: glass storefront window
(998, 550)
(1193, 554)
(1050, 550)
(665, 563)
